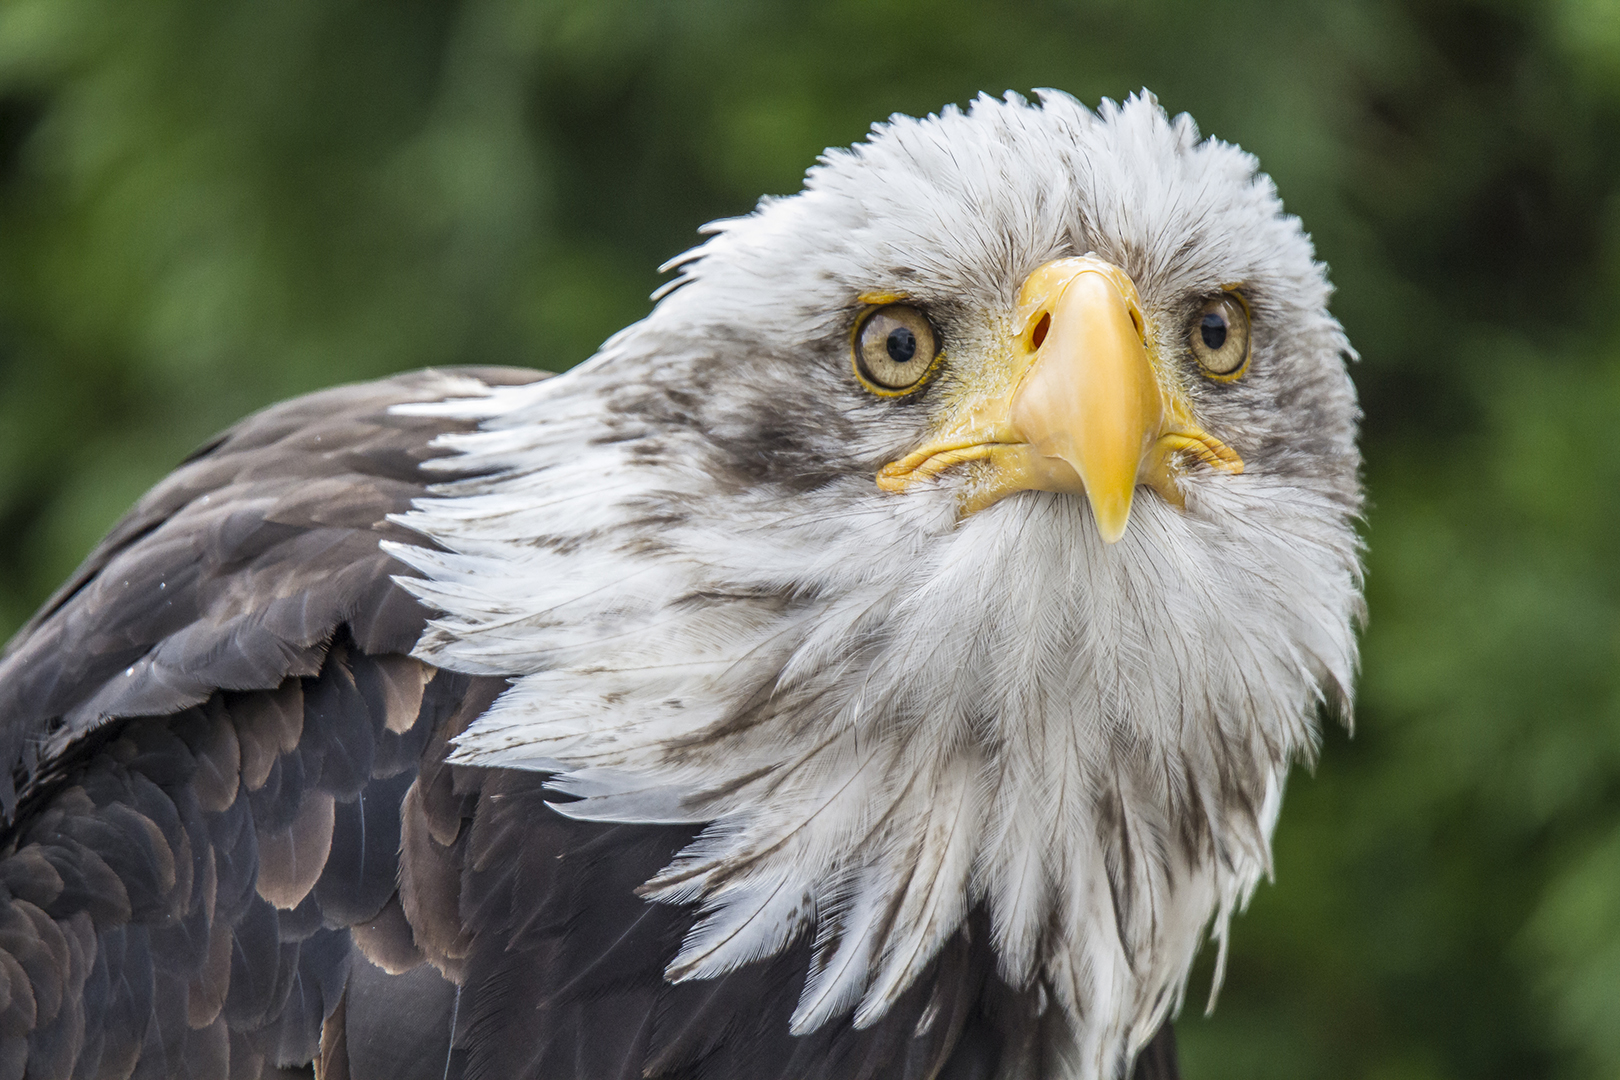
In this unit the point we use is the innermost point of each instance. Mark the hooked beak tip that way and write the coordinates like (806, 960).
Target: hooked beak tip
(1112, 513)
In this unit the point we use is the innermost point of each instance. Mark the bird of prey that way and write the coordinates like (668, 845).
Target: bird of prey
(882, 662)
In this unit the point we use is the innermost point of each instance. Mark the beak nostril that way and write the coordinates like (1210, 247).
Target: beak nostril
(1039, 334)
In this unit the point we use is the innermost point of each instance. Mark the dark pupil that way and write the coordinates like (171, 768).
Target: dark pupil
(1212, 330)
(902, 345)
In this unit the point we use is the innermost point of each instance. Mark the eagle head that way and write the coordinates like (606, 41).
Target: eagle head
(971, 532)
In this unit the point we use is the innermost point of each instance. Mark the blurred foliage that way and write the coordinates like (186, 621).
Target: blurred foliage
(206, 205)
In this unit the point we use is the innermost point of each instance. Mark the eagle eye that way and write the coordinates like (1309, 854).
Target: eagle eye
(1219, 336)
(895, 349)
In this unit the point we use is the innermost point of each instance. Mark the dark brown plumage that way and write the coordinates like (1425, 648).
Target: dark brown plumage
(234, 847)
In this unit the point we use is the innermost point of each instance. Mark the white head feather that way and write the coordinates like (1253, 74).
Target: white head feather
(888, 717)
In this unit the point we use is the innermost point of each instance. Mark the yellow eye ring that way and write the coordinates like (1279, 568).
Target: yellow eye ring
(1221, 337)
(894, 349)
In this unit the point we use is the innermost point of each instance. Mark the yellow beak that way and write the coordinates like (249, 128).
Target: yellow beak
(1085, 411)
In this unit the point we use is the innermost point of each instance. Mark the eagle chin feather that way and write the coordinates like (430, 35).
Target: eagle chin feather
(885, 715)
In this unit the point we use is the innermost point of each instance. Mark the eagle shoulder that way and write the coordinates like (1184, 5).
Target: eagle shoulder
(234, 571)
(209, 733)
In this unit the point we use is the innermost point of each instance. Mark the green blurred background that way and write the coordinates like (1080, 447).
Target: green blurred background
(207, 205)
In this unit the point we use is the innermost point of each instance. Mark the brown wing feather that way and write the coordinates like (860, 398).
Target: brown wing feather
(152, 925)
(176, 886)
(234, 571)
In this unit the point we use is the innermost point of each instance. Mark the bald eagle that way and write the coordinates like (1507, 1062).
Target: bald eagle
(882, 662)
